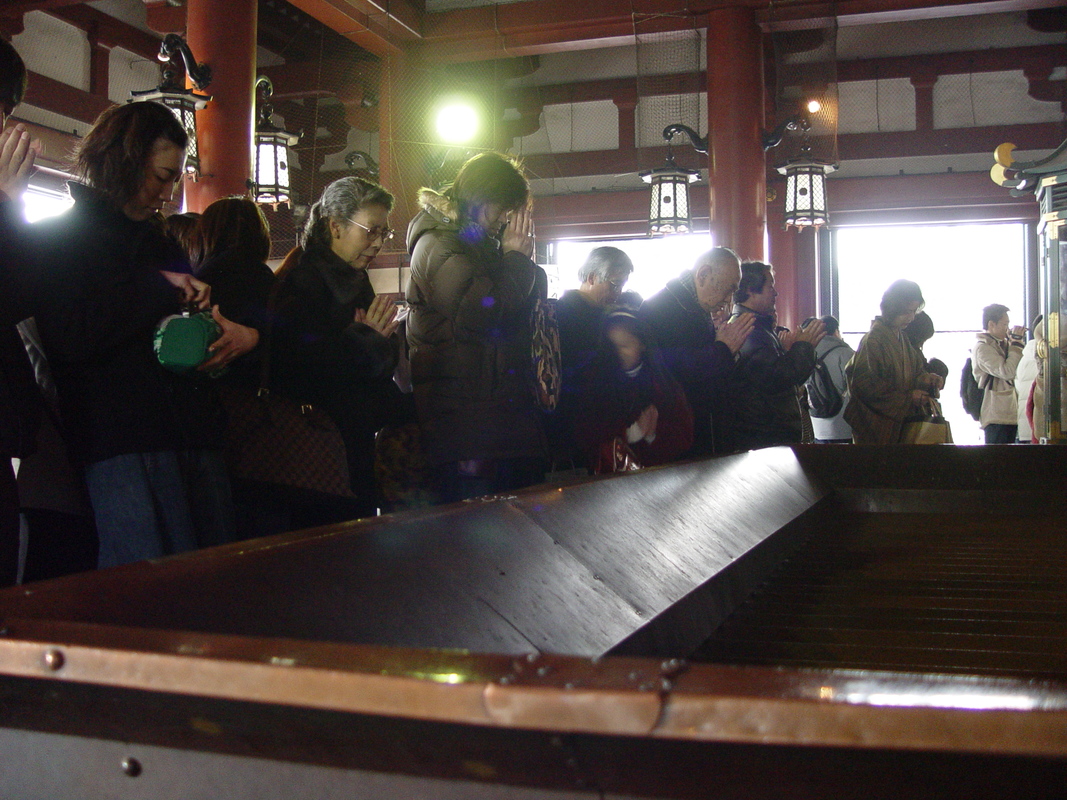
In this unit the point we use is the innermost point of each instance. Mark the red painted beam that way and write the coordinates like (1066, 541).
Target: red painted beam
(944, 197)
(607, 89)
(912, 192)
(1005, 59)
(61, 98)
(383, 29)
(606, 162)
(347, 79)
(110, 31)
(800, 15)
(530, 27)
(16, 8)
(950, 141)
(851, 146)
(1040, 59)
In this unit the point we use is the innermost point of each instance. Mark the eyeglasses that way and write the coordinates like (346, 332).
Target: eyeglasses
(385, 233)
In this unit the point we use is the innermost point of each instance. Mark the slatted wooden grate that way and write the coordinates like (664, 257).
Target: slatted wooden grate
(982, 594)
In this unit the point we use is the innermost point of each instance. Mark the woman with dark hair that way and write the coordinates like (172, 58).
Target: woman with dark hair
(333, 338)
(630, 394)
(104, 274)
(234, 239)
(473, 288)
(887, 376)
(919, 331)
(184, 229)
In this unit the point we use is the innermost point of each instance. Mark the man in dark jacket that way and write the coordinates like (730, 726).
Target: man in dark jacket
(580, 315)
(764, 394)
(699, 352)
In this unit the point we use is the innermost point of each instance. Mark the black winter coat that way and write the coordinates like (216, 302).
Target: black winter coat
(20, 401)
(241, 286)
(97, 295)
(701, 364)
(764, 399)
(320, 355)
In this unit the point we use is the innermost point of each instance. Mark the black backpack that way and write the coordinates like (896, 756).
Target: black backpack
(824, 399)
(971, 393)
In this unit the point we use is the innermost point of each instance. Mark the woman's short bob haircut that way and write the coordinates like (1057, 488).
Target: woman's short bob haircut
(340, 201)
(489, 178)
(114, 154)
(235, 222)
(898, 297)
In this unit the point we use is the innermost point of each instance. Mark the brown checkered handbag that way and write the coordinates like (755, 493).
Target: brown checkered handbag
(282, 442)
(293, 446)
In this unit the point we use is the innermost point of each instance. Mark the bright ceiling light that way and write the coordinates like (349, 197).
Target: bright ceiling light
(814, 106)
(457, 123)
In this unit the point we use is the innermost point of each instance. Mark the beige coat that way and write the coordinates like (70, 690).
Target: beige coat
(1000, 405)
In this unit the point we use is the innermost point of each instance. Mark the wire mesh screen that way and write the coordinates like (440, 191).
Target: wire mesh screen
(670, 89)
(805, 64)
(880, 105)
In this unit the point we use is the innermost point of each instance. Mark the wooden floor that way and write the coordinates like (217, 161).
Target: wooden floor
(981, 594)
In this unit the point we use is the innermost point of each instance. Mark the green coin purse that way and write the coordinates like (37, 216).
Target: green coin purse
(182, 340)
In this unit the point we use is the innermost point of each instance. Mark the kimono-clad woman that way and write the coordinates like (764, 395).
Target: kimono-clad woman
(888, 376)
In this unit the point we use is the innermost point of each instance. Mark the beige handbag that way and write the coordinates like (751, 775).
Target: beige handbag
(934, 429)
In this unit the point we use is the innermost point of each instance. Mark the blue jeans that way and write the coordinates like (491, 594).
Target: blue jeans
(149, 505)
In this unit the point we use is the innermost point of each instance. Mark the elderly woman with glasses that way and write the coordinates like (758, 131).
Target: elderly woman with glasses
(334, 342)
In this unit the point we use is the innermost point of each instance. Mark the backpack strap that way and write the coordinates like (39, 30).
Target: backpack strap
(822, 359)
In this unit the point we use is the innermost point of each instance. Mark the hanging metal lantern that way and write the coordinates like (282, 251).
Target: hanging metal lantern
(669, 210)
(184, 103)
(271, 177)
(805, 192)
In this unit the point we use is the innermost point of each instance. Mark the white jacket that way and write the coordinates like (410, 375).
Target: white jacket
(1024, 379)
(1000, 404)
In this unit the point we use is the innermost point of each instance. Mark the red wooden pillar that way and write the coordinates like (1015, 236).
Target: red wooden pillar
(222, 34)
(782, 245)
(737, 168)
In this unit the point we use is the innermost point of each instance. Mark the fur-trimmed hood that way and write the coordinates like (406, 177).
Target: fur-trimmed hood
(439, 206)
(438, 213)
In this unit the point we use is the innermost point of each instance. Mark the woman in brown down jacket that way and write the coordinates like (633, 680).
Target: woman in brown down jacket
(472, 290)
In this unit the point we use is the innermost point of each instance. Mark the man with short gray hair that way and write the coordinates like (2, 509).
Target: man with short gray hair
(580, 311)
(579, 314)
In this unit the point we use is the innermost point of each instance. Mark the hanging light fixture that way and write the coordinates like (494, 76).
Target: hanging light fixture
(271, 183)
(172, 93)
(805, 191)
(669, 209)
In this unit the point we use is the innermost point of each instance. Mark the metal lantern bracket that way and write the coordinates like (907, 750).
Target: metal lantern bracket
(774, 138)
(199, 74)
(700, 143)
(359, 155)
